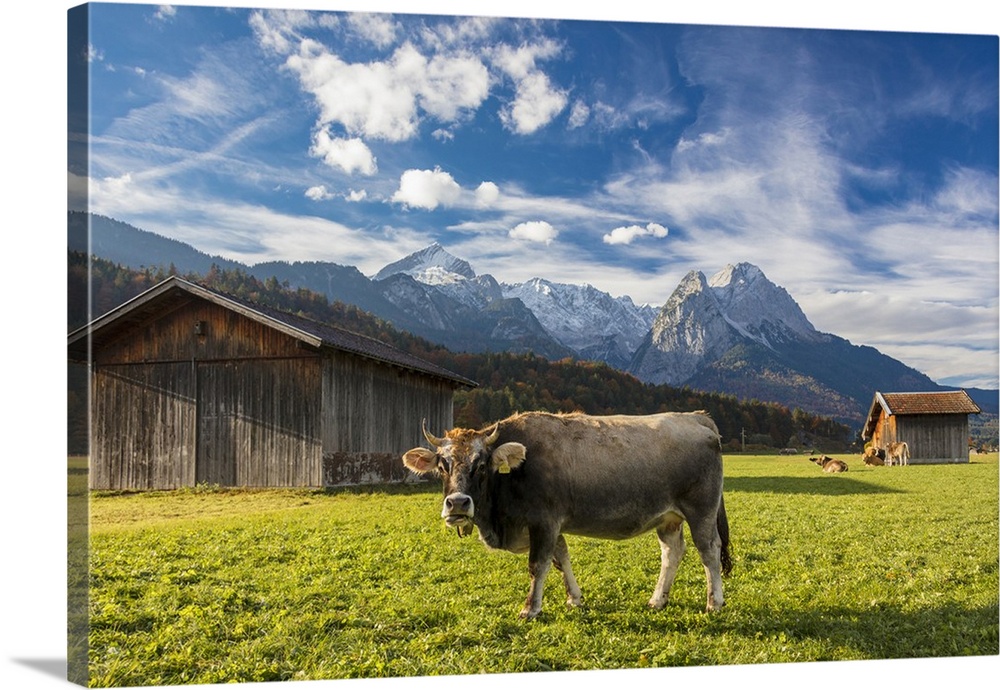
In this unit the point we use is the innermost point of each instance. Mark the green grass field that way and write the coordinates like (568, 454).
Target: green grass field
(204, 586)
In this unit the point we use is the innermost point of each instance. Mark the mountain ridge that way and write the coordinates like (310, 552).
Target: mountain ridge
(735, 333)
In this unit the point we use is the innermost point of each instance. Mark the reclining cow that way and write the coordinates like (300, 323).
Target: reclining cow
(529, 479)
(874, 457)
(829, 464)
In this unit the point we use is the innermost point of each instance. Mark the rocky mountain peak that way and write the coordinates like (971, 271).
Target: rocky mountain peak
(704, 318)
(759, 309)
(431, 265)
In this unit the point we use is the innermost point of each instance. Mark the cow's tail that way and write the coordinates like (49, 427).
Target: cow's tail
(723, 526)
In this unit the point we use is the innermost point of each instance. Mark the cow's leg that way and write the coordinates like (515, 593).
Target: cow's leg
(561, 561)
(671, 536)
(540, 556)
(705, 534)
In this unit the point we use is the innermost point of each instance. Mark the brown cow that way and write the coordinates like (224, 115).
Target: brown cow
(830, 464)
(897, 454)
(529, 479)
(874, 457)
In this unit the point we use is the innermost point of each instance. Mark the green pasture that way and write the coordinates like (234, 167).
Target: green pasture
(210, 586)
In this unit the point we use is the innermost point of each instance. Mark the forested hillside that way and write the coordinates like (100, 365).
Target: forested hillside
(507, 382)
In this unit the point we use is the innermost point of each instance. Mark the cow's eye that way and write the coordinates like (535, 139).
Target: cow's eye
(443, 464)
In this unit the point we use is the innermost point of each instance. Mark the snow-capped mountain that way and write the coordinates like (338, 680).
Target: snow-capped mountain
(433, 263)
(591, 322)
(736, 333)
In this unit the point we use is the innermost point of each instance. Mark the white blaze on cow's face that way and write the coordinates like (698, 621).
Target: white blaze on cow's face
(459, 459)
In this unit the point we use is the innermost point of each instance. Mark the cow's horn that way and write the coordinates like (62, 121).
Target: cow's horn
(433, 440)
(491, 439)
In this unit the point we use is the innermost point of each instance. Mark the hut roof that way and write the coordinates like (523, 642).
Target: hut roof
(175, 292)
(935, 403)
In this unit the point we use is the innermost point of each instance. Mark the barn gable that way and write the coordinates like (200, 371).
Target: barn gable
(934, 425)
(189, 385)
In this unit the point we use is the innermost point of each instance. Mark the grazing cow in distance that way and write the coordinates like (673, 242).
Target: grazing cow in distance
(897, 453)
(830, 464)
(531, 478)
(874, 457)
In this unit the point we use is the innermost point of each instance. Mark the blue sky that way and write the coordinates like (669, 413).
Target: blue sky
(858, 169)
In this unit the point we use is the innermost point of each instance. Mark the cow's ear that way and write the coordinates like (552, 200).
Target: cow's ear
(508, 456)
(420, 460)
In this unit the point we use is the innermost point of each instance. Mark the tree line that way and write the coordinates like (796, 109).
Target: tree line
(508, 382)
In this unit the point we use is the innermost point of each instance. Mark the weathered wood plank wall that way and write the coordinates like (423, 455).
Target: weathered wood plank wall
(238, 403)
(372, 415)
(935, 438)
(144, 422)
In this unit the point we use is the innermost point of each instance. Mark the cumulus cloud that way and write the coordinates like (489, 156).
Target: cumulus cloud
(487, 194)
(355, 196)
(534, 231)
(349, 155)
(536, 100)
(384, 99)
(427, 189)
(628, 234)
(318, 193)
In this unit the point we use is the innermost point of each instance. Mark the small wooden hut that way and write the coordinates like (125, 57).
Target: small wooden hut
(935, 426)
(189, 386)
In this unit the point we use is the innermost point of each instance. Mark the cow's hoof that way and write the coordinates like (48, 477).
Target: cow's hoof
(528, 614)
(712, 606)
(658, 601)
(572, 602)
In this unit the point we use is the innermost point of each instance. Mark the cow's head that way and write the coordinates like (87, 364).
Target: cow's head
(463, 459)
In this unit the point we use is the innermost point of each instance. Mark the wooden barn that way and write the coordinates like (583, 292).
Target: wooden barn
(935, 426)
(190, 386)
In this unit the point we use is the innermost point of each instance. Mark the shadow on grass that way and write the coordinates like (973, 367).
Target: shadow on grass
(881, 631)
(823, 485)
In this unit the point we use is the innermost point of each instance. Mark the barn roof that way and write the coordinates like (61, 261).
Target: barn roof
(175, 292)
(935, 403)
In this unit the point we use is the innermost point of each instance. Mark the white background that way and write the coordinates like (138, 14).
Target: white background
(33, 119)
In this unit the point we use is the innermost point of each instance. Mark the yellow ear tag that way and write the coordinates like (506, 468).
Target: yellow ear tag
(504, 467)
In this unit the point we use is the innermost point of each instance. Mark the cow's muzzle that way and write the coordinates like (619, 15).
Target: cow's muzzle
(457, 512)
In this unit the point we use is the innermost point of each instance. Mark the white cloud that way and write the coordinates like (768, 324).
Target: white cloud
(199, 95)
(578, 115)
(427, 189)
(628, 234)
(376, 28)
(534, 231)
(278, 30)
(355, 196)
(318, 193)
(165, 12)
(350, 155)
(384, 99)
(487, 194)
(536, 101)
(535, 105)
